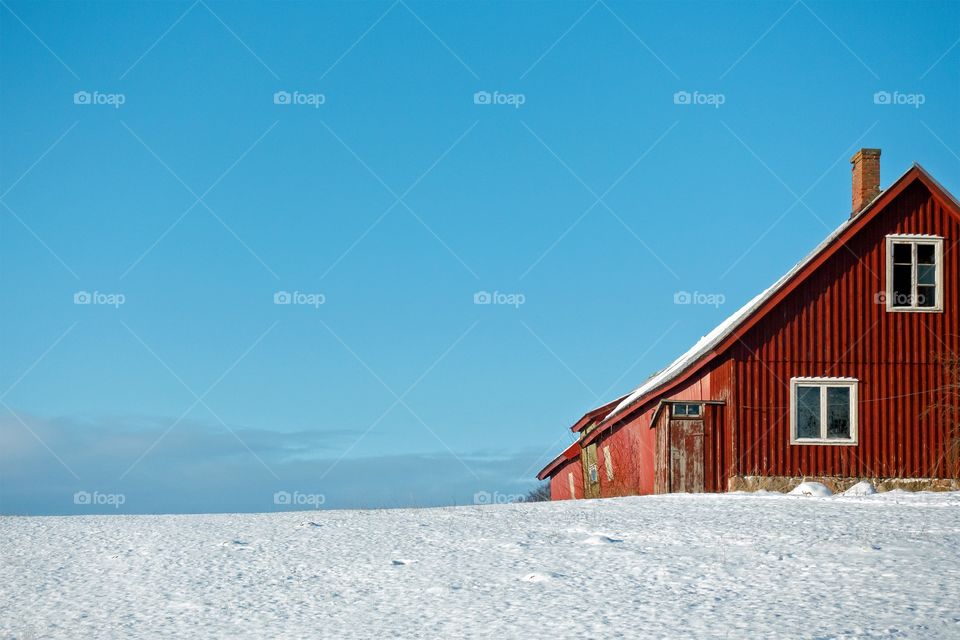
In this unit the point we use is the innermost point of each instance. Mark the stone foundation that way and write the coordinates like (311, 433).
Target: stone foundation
(839, 484)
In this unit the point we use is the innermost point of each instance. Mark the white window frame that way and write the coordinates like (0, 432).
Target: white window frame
(824, 383)
(608, 462)
(937, 243)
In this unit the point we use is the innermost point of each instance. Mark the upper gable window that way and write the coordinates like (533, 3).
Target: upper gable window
(914, 273)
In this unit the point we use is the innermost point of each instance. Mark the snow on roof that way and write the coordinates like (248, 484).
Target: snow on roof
(725, 328)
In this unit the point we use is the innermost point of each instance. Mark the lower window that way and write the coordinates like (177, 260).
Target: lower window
(823, 410)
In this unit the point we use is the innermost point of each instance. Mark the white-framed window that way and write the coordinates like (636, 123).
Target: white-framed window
(686, 410)
(823, 411)
(608, 463)
(914, 273)
(593, 474)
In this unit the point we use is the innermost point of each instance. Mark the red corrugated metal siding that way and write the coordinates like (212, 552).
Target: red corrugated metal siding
(831, 325)
(631, 450)
(560, 482)
(719, 454)
(633, 445)
(714, 454)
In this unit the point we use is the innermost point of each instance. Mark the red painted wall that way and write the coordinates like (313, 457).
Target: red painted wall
(560, 482)
(633, 445)
(831, 325)
(631, 449)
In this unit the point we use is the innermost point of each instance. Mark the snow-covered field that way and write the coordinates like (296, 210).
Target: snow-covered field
(718, 566)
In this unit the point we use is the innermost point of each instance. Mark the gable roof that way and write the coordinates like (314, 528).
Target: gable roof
(737, 324)
(600, 412)
(726, 333)
(731, 329)
(570, 453)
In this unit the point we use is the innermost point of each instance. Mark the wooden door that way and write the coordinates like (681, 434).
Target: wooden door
(686, 456)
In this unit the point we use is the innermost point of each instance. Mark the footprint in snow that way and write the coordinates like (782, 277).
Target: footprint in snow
(536, 577)
(401, 562)
(310, 524)
(601, 539)
(236, 543)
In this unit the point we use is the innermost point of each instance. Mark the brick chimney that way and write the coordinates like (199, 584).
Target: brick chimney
(866, 178)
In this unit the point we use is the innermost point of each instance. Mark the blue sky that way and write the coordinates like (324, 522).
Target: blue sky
(393, 195)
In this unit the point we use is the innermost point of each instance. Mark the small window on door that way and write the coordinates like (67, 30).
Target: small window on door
(914, 273)
(823, 411)
(686, 410)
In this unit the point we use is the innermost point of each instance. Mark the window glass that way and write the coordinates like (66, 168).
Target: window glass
(926, 254)
(902, 285)
(902, 253)
(926, 274)
(684, 410)
(926, 296)
(808, 412)
(838, 412)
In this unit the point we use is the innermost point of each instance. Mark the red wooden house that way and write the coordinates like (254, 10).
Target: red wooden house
(830, 374)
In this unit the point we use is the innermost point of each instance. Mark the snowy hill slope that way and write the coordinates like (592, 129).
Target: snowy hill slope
(717, 566)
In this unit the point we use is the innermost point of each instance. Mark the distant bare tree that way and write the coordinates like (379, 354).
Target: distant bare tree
(541, 493)
(946, 408)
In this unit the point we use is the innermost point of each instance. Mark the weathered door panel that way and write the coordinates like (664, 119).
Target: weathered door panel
(686, 456)
(591, 475)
